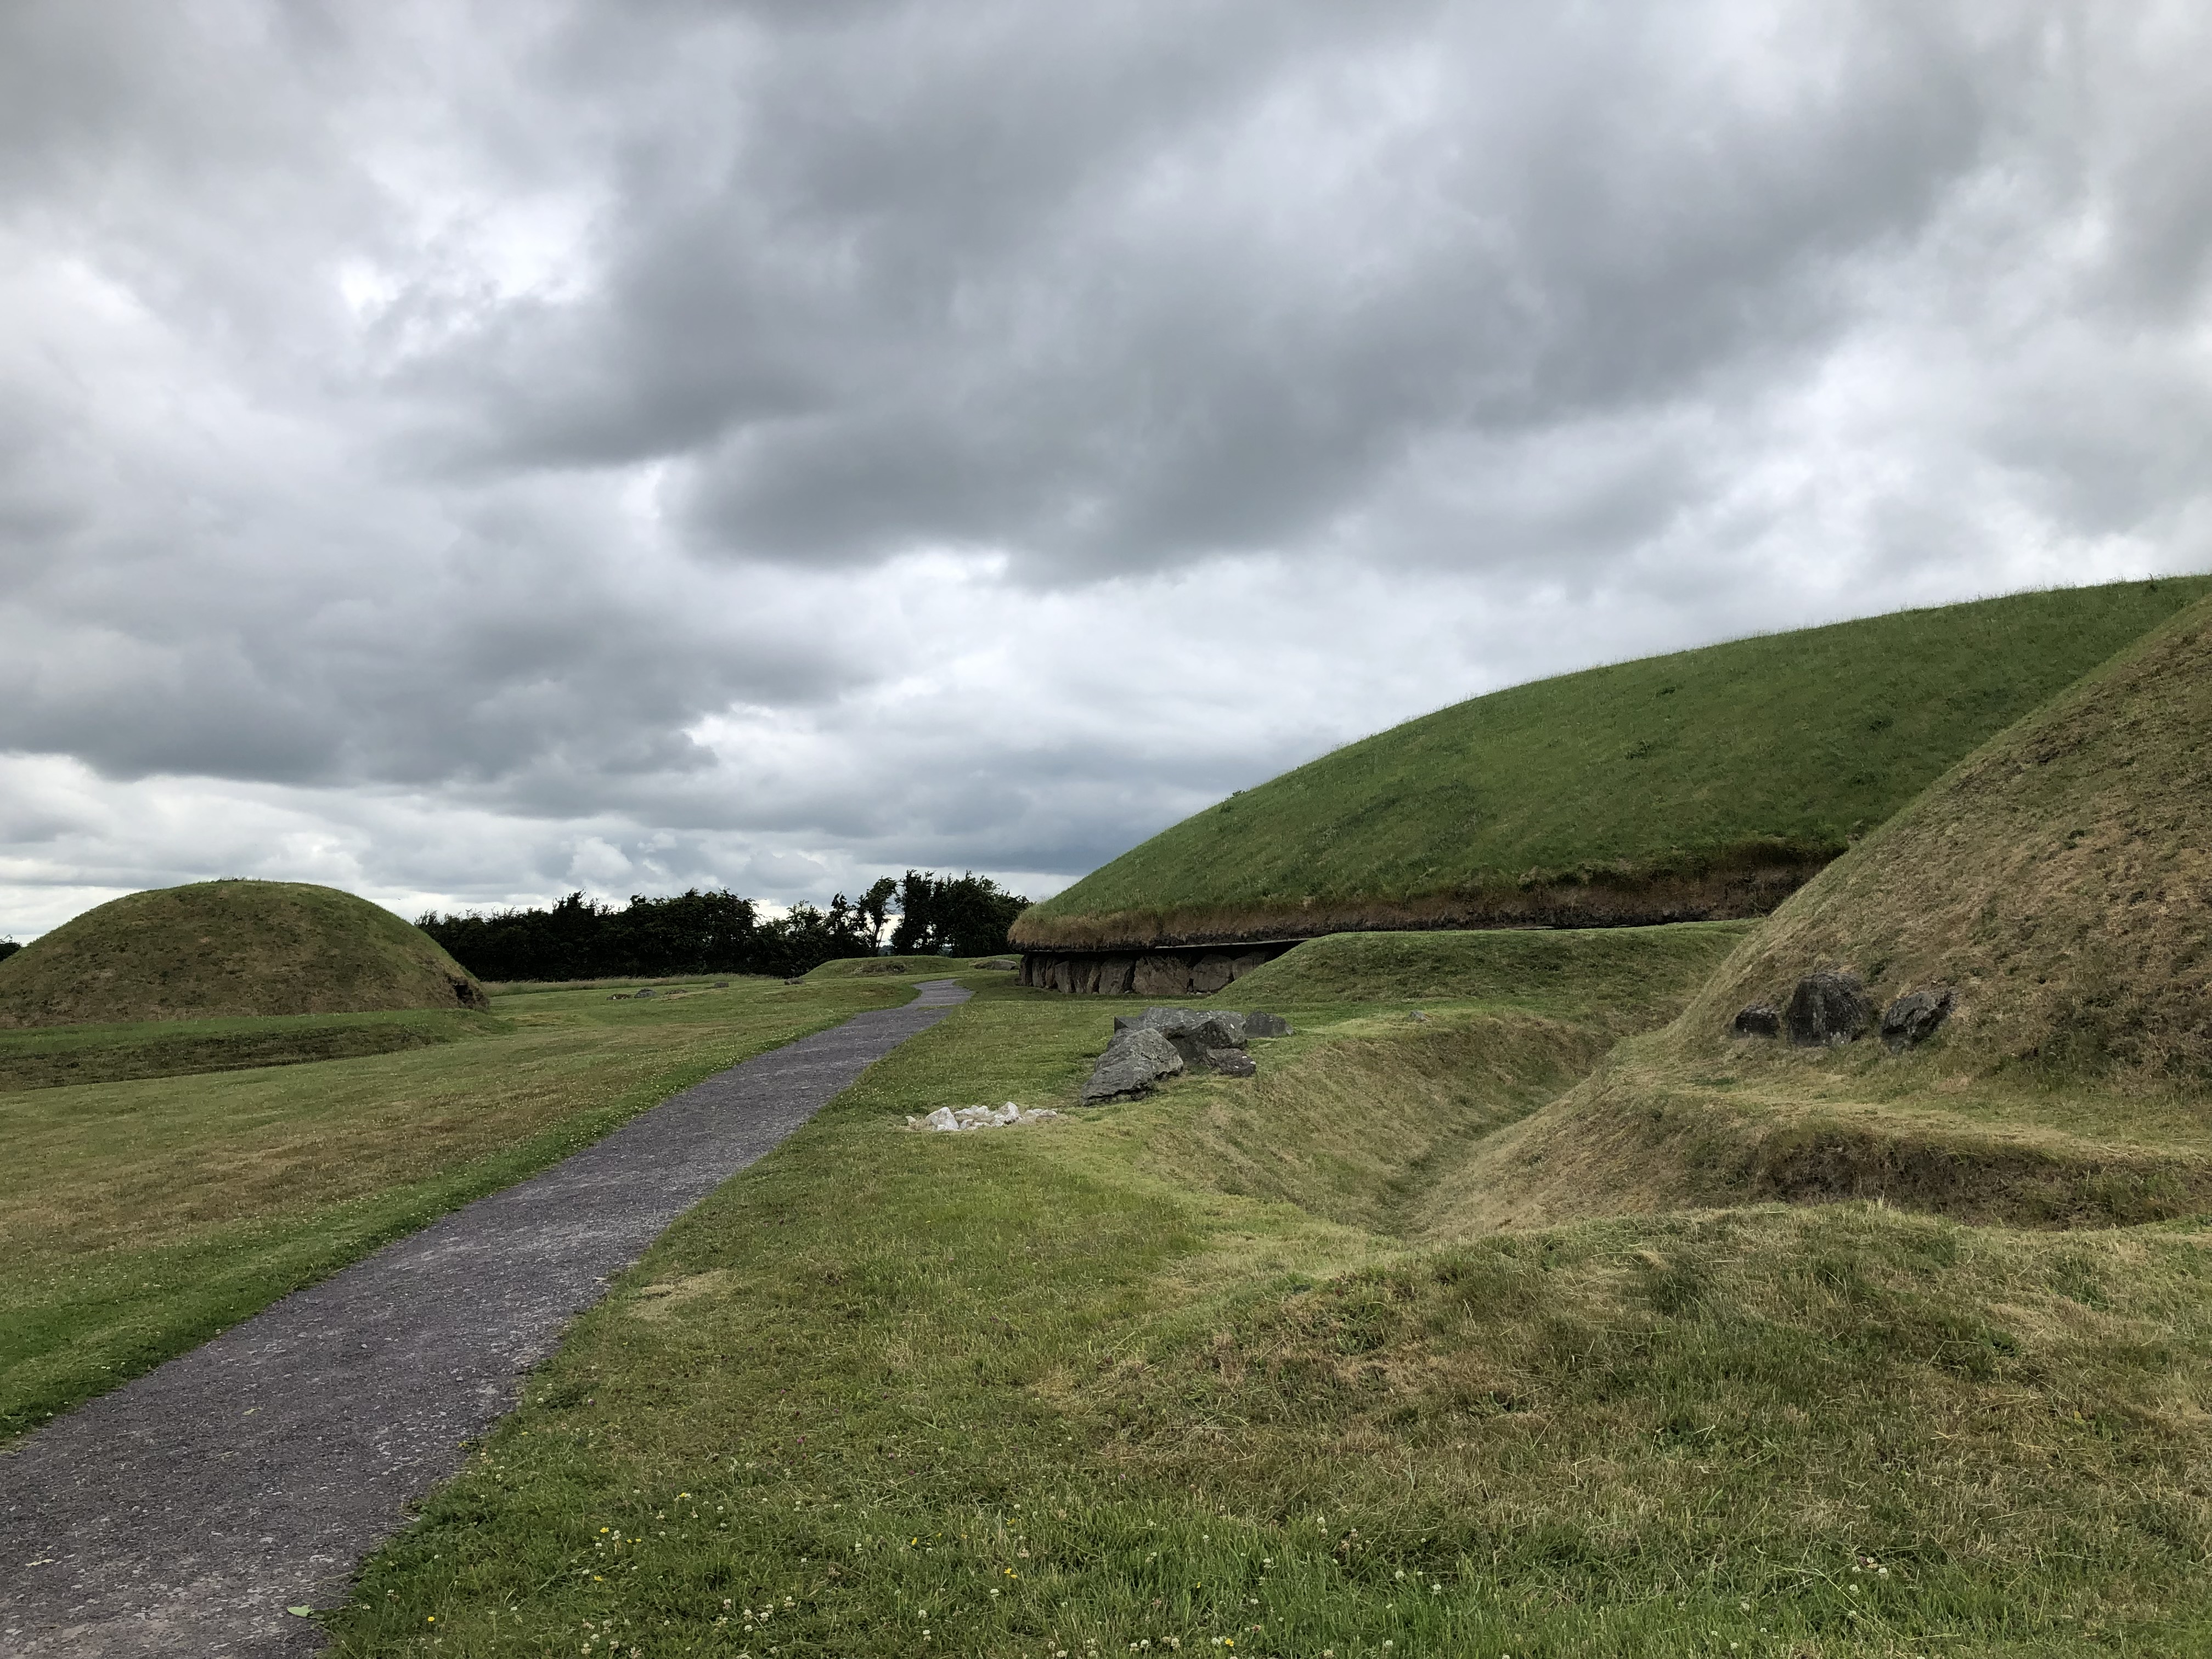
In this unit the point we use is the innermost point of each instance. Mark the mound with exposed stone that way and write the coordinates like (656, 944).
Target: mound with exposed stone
(2047, 905)
(1997, 1006)
(230, 949)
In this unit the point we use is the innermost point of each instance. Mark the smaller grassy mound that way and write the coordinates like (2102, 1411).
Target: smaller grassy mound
(57, 1057)
(1706, 783)
(1615, 977)
(229, 949)
(899, 967)
(2056, 883)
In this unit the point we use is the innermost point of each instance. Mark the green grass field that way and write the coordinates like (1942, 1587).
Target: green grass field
(1198, 1370)
(1513, 1307)
(1705, 783)
(138, 1217)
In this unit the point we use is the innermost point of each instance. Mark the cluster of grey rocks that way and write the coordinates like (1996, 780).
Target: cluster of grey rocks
(945, 1120)
(1165, 1042)
(1833, 1007)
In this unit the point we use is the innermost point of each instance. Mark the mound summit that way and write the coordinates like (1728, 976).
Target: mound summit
(229, 949)
(1701, 785)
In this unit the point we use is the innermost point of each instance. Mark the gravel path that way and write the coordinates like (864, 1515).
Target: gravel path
(184, 1512)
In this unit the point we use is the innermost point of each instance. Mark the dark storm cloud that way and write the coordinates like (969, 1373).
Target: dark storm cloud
(464, 450)
(1141, 296)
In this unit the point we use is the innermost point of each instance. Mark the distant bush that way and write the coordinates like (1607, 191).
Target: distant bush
(7, 948)
(719, 932)
(965, 915)
(690, 933)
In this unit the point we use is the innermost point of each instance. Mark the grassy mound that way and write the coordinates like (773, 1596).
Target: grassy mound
(898, 967)
(229, 949)
(2056, 883)
(1706, 783)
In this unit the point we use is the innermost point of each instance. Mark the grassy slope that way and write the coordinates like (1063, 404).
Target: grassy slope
(1670, 773)
(53, 1056)
(228, 949)
(137, 1218)
(1100, 1385)
(2057, 879)
(1609, 977)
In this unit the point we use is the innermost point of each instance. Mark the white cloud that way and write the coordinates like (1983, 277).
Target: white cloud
(460, 454)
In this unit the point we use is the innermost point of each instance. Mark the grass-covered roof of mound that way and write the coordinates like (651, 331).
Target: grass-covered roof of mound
(221, 949)
(1706, 783)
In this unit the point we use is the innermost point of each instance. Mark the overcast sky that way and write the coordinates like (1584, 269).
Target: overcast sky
(462, 453)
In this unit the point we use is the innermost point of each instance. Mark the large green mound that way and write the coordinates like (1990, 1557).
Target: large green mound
(2057, 885)
(229, 949)
(1706, 784)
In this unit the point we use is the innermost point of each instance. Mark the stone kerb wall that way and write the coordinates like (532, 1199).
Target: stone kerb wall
(1191, 971)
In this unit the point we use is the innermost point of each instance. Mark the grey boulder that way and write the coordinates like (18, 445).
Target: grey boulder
(1133, 1062)
(1912, 1018)
(1196, 1033)
(1226, 1029)
(1266, 1025)
(1757, 1020)
(1229, 1062)
(1827, 1008)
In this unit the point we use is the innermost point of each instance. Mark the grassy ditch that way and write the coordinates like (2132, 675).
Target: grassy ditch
(56, 1056)
(1154, 1378)
(137, 1218)
(1708, 782)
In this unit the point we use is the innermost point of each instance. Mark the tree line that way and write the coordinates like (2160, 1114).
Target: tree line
(718, 932)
